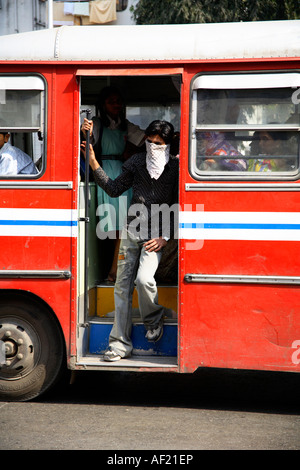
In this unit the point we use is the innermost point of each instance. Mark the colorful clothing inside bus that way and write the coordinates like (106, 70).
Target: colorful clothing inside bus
(261, 165)
(215, 144)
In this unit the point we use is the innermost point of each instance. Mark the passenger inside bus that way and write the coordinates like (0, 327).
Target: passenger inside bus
(153, 175)
(212, 146)
(14, 161)
(114, 140)
(272, 143)
(215, 144)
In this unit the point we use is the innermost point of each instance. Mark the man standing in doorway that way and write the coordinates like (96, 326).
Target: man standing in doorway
(153, 176)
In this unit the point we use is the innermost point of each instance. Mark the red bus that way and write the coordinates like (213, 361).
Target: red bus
(231, 90)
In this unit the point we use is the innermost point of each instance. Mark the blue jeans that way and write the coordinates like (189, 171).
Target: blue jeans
(135, 266)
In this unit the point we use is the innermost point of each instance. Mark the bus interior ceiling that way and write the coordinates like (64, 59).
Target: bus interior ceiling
(146, 98)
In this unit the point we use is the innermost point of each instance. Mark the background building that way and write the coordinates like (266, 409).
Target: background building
(80, 12)
(18, 16)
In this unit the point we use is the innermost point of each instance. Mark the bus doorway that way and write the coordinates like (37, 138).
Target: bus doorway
(146, 98)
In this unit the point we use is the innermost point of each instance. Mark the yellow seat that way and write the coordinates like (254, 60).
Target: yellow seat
(167, 296)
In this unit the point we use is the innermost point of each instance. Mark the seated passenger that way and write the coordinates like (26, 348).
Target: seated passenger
(272, 143)
(14, 161)
(215, 144)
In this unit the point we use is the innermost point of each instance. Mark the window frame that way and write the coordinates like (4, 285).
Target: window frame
(238, 175)
(31, 129)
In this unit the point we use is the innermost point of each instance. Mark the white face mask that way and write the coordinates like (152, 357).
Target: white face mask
(156, 159)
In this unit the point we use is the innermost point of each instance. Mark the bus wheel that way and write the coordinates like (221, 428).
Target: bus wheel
(31, 350)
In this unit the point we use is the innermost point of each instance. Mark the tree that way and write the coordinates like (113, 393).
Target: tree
(217, 11)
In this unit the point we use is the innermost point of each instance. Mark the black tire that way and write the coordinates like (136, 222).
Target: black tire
(32, 351)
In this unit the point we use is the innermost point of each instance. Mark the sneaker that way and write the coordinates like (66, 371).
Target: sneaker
(111, 356)
(155, 334)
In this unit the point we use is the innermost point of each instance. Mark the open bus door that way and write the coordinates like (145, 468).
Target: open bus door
(240, 224)
(149, 94)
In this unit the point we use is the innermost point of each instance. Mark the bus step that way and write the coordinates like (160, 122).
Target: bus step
(166, 346)
(133, 363)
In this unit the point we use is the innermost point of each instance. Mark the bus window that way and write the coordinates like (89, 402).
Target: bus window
(21, 126)
(121, 5)
(245, 126)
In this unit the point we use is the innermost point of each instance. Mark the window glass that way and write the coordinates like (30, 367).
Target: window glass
(244, 132)
(143, 115)
(20, 108)
(21, 126)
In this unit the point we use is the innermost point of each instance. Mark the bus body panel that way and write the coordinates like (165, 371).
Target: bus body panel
(40, 217)
(238, 313)
(236, 327)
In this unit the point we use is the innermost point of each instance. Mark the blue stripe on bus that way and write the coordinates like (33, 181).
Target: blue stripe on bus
(240, 226)
(61, 223)
(193, 225)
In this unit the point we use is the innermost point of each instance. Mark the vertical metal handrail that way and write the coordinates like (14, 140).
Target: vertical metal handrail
(86, 217)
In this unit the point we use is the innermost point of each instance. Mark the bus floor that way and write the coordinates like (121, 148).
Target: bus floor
(145, 354)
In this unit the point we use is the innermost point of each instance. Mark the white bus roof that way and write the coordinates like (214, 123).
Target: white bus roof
(155, 42)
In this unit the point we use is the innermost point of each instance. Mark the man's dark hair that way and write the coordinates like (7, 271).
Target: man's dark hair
(162, 128)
